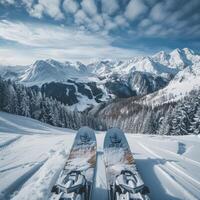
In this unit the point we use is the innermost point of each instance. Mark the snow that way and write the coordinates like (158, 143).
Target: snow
(32, 154)
(169, 174)
(83, 103)
(181, 63)
(44, 71)
(183, 83)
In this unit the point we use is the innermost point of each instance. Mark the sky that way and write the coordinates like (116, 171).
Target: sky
(87, 30)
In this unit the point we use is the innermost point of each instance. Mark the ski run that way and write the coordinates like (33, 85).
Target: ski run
(33, 156)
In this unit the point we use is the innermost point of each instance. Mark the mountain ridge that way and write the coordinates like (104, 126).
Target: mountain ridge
(138, 76)
(161, 63)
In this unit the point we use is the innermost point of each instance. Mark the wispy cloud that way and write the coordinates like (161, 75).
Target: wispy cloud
(51, 36)
(47, 41)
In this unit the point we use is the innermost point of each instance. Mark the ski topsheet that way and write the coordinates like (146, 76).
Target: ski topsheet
(76, 179)
(123, 179)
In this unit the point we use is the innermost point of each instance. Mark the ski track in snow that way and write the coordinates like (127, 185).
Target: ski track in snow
(17, 184)
(184, 158)
(30, 162)
(9, 142)
(167, 177)
(177, 177)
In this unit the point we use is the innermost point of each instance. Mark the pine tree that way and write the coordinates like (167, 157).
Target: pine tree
(165, 125)
(196, 123)
(179, 120)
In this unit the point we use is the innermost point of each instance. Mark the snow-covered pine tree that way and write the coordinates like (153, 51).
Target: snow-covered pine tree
(165, 123)
(195, 126)
(180, 120)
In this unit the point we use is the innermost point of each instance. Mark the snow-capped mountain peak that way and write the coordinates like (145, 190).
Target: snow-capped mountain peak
(134, 77)
(161, 56)
(181, 58)
(181, 85)
(44, 71)
(188, 51)
(161, 64)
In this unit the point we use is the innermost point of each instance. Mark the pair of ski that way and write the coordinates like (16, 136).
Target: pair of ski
(76, 180)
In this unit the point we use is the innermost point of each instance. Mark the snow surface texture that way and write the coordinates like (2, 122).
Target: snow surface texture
(32, 154)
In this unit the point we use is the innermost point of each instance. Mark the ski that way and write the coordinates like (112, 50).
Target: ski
(75, 181)
(123, 179)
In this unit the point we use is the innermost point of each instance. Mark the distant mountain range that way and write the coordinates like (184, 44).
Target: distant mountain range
(169, 76)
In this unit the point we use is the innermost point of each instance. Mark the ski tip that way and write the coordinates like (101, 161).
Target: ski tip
(85, 133)
(114, 130)
(86, 129)
(115, 137)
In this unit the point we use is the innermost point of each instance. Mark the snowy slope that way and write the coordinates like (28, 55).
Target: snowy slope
(45, 71)
(177, 59)
(184, 82)
(26, 147)
(12, 72)
(32, 155)
(137, 64)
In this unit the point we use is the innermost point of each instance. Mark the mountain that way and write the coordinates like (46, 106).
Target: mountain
(135, 83)
(177, 59)
(12, 72)
(181, 85)
(161, 64)
(83, 86)
(45, 71)
(147, 64)
(77, 95)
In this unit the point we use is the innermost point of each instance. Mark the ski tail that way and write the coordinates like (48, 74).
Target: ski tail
(75, 185)
(123, 178)
(75, 181)
(125, 187)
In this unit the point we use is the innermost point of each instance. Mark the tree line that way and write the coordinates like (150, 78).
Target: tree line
(173, 118)
(30, 102)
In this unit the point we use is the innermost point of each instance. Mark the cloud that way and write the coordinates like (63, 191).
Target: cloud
(7, 1)
(109, 7)
(99, 22)
(32, 42)
(12, 56)
(89, 7)
(158, 12)
(121, 21)
(145, 23)
(37, 11)
(36, 35)
(134, 9)
(110, 16)
(51, 9)
(81, 18)
(70, 6)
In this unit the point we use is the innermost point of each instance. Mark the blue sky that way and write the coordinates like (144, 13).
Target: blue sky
(87, 30)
